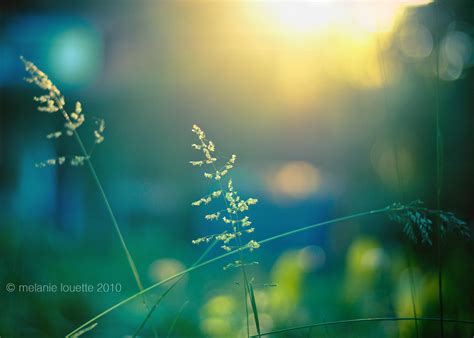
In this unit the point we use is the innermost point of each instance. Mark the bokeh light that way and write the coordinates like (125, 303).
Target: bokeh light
(294, 180)
(164, 268)
(456, 53)
(215, 316)
(76, 56)
(395, 165)
(416, 41)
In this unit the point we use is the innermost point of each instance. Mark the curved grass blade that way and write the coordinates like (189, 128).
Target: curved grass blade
(254, 307)
(87, 329)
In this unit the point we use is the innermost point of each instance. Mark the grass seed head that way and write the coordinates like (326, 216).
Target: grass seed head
(232, 216)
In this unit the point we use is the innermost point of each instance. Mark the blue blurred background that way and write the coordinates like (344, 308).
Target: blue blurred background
(322, 101)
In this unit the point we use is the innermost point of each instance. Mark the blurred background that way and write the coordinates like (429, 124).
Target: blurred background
(322, 101)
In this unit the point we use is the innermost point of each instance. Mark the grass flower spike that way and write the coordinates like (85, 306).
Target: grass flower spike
(233, 215)
(53, 102)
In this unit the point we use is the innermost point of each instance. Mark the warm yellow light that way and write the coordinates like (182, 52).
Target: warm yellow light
(312, 16)
(301, 17)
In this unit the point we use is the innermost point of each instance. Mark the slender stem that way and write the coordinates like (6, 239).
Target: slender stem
(246, 282)
(225, 255)
(110, 212)
(86, 155)
(363, 320)
(130, 260)
(335, 220)
(244, 276)
(241, 256)
(439, 167)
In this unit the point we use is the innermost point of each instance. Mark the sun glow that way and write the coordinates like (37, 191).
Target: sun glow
(302, 17)
(320, 44)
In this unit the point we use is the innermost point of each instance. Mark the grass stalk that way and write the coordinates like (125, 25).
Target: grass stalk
(110, 212)
(241, 256)
(439, 169)
(98, 183)
(246, 283)
(87, 156)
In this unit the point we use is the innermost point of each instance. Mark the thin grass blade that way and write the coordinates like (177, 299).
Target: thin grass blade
(254, 307)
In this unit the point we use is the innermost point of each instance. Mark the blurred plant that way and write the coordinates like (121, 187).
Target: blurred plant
(417, 221)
